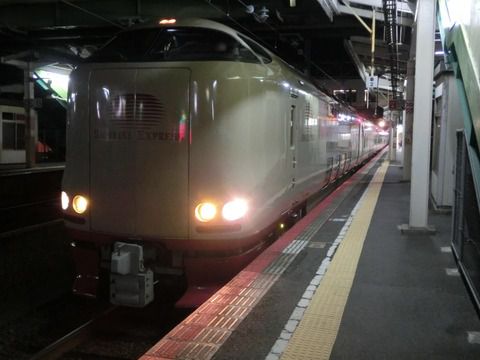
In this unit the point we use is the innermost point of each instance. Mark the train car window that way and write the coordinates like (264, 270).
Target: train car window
(266, 58)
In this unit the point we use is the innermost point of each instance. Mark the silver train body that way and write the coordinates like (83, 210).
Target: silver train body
(154, 132)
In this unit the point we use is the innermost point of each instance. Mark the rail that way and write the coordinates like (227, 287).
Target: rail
(30, 228)
(72, 339)
(25, 217)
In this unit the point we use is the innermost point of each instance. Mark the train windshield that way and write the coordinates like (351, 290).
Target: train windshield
(173, 44)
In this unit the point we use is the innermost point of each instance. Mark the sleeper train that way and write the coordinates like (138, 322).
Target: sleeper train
(188, 143)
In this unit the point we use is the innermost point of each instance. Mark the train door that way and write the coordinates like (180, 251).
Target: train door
(112, 158)
(292, 138)
(361, 143)
(139, 151)
(355, 145)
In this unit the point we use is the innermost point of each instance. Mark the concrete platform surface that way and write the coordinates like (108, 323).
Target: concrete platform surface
(404, 298)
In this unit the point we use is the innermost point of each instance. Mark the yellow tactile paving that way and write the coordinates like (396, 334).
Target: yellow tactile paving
(316, 333)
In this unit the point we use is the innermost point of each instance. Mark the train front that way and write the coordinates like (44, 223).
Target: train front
(126, 188)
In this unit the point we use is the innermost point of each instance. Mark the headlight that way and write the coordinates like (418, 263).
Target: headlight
(205, 212)
(80, 204)
(235, 209)
(65, 200)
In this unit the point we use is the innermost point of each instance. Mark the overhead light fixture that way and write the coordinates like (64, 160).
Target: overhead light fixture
(293, 3)
(262, 15)
(55, 78)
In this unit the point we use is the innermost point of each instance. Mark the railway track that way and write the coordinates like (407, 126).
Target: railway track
(29, 197)
(26, 215)
(116, 334)
(68, 342)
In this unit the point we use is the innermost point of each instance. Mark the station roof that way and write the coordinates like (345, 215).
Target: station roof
(328, 39)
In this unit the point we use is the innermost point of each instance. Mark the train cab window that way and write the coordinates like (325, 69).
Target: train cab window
(193, 44)
(127, 46)
(266, 58)
(174, 44)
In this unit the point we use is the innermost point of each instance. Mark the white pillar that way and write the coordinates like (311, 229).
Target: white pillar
(422, 114)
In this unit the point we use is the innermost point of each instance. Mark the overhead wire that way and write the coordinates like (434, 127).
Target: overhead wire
(256, 37)
(92, 14)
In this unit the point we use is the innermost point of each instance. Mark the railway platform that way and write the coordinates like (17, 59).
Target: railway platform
(29, 196)
(343, 283)
(10, 170)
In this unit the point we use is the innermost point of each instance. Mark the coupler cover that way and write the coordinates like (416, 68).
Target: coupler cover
(130, 283)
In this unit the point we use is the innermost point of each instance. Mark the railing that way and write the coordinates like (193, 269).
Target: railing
(466, 220)
(459, 37)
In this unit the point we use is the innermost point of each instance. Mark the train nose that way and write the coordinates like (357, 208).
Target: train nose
(139, 151)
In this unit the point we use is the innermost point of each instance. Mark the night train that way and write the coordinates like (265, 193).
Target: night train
(187, 144)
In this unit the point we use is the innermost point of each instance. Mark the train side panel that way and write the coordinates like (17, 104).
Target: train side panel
(77, 171)
(240, 144)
